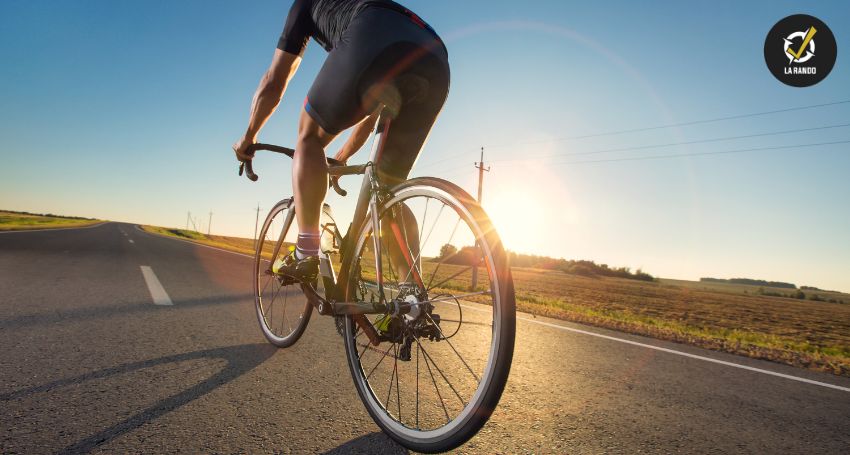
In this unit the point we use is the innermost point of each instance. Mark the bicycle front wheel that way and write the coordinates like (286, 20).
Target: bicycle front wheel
(432, 377)
(282, 309)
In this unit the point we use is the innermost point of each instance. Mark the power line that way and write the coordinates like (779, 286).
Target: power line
(673, 144)
(457, 169)
(649, 128)
(673, 125)
(681, 155)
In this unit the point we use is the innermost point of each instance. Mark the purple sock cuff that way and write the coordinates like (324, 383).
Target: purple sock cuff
(309, 243)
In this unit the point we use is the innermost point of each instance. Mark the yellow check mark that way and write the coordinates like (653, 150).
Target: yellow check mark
(799, 53)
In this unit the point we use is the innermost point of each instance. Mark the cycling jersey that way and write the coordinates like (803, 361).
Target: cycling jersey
(323, 20)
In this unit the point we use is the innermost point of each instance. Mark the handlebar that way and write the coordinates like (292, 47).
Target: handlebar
(247, 168)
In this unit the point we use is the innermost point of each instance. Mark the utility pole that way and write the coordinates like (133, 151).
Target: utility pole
(209, 224)
(188, 217)
(256, 224)
(480, 166)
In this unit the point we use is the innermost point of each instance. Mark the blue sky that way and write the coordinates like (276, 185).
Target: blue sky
(126, 111)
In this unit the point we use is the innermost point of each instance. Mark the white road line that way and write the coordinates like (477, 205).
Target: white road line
(673, 351)
(160, 297)
(131, 241)
(19, 231)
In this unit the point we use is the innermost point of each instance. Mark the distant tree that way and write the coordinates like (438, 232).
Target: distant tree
(573, 267)
(467, 255)
(447, 250)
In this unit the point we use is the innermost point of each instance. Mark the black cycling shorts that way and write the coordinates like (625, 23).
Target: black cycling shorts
(380, 46)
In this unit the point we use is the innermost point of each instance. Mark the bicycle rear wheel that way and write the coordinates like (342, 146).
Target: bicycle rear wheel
(282, 309)
(438, 372)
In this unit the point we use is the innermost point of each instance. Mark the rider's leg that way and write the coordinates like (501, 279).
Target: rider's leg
(309, 182)
(400, 232)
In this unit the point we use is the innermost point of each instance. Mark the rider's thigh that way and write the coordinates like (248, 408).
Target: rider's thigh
(410, 129)
(310, 129)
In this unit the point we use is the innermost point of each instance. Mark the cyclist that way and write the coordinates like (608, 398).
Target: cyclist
(373, 45)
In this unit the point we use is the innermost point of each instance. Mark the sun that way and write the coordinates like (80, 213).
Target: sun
(518, 216)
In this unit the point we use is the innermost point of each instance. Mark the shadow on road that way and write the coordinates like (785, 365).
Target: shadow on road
(377, 443)
(240, 360)
(123, 309)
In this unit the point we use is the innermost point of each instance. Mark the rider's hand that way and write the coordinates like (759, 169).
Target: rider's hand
(240, 147)
(340, 156)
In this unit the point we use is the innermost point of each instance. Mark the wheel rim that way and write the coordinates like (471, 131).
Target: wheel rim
(282, 310)
(458, 370)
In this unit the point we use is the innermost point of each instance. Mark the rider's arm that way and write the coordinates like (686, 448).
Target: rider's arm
(358, 137)
(269, 92)
(287, 57)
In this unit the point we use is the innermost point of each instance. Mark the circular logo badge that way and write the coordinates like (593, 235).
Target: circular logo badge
(800, 50)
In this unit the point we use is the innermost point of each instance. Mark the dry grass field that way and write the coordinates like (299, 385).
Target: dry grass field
(734, 318)
(16, 221)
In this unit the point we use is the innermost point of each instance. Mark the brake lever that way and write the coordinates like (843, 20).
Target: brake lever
(337, 188)
(247, 168)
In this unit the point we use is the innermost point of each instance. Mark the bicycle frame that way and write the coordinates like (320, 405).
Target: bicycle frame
(367, 206)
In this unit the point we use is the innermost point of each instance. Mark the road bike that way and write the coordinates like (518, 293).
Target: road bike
(421, 293)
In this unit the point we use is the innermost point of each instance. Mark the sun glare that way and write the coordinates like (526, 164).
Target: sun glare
(529, 208)
(517, 216)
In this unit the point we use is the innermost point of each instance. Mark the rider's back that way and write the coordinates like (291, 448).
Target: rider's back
(324, 20)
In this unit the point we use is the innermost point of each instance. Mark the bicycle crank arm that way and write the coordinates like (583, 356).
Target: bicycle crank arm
(342, 308)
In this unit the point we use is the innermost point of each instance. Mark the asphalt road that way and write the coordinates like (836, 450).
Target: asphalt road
(90, 364)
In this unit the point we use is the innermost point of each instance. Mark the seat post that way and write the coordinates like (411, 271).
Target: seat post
(381, 128)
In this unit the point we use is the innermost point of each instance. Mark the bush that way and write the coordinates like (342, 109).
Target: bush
(467, 255)
(577, 267)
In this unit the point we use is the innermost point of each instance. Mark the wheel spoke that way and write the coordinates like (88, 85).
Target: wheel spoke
(397, 387)
(454, 297)
(453, 347)
(454, 275)
(417, 386)
(424, 217)
(436, 269)
(413, 265)
(427, 358)
(379, 362)
(422, 244)
(268, 280)
(434, 381)
(390, 390)
(285, 319)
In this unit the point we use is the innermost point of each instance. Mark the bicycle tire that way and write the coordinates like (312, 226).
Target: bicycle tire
(494, 378)
(260, 267)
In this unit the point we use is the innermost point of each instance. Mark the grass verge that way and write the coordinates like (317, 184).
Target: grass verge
(235, 244)
(20, 221)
